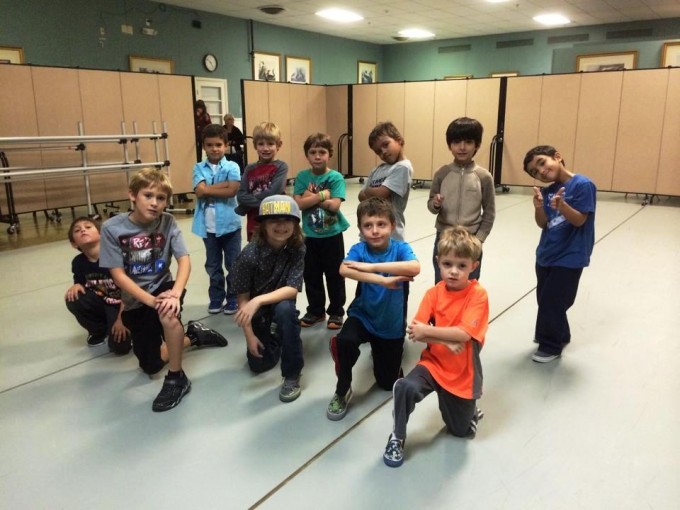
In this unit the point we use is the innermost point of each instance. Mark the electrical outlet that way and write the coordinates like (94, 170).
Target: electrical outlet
(127, 29)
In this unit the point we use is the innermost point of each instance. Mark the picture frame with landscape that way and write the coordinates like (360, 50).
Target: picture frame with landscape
(606, 61)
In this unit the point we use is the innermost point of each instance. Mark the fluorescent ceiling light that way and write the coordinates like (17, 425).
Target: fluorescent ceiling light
(496, 1)
(416, 33)
(339, 15)
(552, 19)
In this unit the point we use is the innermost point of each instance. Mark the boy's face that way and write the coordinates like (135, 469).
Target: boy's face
(546, 168)
(463, 151)
(215, 148)
(84, 233)
(149, 204)
(388, 149)
(278, 231)
(318, 158)
(267, 150)
(376, 231)
(455, 270)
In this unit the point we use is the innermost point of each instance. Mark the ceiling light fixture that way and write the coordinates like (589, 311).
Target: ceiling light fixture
(552, 19)
(416, 33)
(339, 15)
(271, 9)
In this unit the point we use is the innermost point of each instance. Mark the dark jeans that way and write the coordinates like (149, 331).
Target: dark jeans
(97, 317)
(387, 353)
(474, 275)
(555, 292)
(221, 250)
(457, 412)
(324, 256)
(147, 330)
(278, 328)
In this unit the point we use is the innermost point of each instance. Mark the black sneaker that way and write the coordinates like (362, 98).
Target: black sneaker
(394, 452)
(476, 418)
(95, 340)
(171, 394)
(201, 336)
(309, 319)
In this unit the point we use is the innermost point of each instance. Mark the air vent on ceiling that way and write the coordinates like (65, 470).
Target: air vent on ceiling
(629, 34)
(557, 39)
(271, 9)
(514, 44)
(453, 49)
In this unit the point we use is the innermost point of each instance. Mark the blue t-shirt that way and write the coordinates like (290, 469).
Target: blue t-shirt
(316, 221)
(381, 310)
(562, 244)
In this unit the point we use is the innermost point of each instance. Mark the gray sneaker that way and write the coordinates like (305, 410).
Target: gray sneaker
(337, 408)
(290, 389)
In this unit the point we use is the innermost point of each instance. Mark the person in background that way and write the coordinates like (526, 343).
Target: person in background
(235, 141)
(201, 121)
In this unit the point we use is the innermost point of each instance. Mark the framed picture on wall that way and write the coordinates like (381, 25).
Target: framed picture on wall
(9, 55)
(298, 69)
(151, 65)
(503, 74)
(670, 56)
(266, 66)
(607, 61)
(457, 76)
(367, 72)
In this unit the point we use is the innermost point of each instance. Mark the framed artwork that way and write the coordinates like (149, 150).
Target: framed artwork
(670, 56)
(607, 61)
(298, 69)
(457, 76)
(151, 65)
(9, 55)
(502, 74)
(266, 66)
(367, 72)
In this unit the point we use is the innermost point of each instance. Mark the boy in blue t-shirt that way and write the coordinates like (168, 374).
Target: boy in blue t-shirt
(215, 183)
(565, 211)
(382, 266)
(319, 192)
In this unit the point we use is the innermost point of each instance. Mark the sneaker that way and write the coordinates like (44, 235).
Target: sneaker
(171, 394)
(334, 322)
(394, 452)
(201, 336)
(215, 307)
(337, 408)
(231, 307)
(309, 319)
(543, 357)
(95, 340)
(290, 389)
(333, 347)
(479, 414)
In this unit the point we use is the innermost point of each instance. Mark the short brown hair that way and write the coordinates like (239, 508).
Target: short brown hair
(267, 131)
(82, 219)
(214, 131)
(384, 128)
(461, 243)
(376, 206)
(148, 177)
(319, 140)
(296, 239)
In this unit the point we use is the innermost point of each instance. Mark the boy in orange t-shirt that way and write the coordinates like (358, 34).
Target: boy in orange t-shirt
(452, 319)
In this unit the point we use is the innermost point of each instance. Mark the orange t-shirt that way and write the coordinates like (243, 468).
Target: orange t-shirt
(468, 309)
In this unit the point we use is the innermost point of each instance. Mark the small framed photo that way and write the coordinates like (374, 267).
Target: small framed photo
(606, 61)
(670, 56)
(266, 66)
(367, 72)
(298, 69)
(503, 74)
(457, 76)
(151, 65)
(9, 55)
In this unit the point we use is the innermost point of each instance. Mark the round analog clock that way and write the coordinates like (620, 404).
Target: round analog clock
(210, 62)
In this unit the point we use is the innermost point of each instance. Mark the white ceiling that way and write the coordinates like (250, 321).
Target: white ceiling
(448, 19)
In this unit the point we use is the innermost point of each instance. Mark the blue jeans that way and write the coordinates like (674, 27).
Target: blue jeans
(219, 250)
(474, 275)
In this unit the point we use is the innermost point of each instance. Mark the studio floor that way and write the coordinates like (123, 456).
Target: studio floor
(597, 429)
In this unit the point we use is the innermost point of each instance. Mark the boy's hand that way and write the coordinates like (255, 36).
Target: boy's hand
(245, 313)
(416, 331)
(538, 198)
(72, 292)
(255, 347)
(557, 199)
(437, 200)
(394, 282)
(167, 306)
(119, 331)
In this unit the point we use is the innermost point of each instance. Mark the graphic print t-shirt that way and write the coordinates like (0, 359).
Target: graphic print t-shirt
(95, 278)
